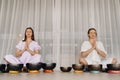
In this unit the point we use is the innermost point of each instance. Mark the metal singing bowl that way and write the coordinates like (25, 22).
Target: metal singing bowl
(65, 69)
(77, 66)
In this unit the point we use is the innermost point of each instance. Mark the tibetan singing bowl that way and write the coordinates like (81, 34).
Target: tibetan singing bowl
(95, 67)
(113, 66)
(65, 69)
(78, 66)
(48, 66)
(34, 66)
(14, 67)
(2, 67)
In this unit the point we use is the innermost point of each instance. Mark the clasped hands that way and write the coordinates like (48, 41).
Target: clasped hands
(94, 46)
(26, 47)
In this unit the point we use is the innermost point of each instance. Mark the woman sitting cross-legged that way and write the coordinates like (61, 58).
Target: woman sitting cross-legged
(27, 50)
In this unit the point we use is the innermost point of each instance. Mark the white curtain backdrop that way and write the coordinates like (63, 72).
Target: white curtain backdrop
(60, 26)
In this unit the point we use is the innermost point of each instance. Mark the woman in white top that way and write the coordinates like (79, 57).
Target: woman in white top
(93, 52)
(27, 50)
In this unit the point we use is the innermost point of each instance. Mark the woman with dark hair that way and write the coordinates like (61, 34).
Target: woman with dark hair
(27, 50)
(93, 52)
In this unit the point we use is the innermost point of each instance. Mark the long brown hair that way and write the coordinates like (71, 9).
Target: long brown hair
(25, 37)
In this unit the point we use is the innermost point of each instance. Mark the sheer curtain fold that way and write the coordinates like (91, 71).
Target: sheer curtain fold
(60, 26)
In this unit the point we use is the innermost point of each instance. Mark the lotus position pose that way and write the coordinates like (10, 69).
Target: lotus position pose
(27, 50)
(93, 52)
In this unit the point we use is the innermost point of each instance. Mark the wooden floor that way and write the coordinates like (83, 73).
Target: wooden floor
(58, 75)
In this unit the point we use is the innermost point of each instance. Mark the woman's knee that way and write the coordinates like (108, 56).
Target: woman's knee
(37, 56)
(114, 61)
(83, 61)
(26, 54)
(8, 57)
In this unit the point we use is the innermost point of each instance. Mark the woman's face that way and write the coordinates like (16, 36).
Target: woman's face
(92, 34)
(28, 33)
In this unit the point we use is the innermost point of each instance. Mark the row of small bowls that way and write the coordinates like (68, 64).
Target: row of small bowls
(78, 67)
(51, 66)
(38, 66)
(30, 66)
(94, 68)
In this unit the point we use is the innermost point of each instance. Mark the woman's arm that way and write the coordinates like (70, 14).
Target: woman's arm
(33, 52)
(100, 52)
(86, 53)
(19, 52)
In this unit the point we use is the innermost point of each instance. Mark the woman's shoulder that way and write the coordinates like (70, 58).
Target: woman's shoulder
(20, 43)
(100, 42)
(34, 42)
(85, 42)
